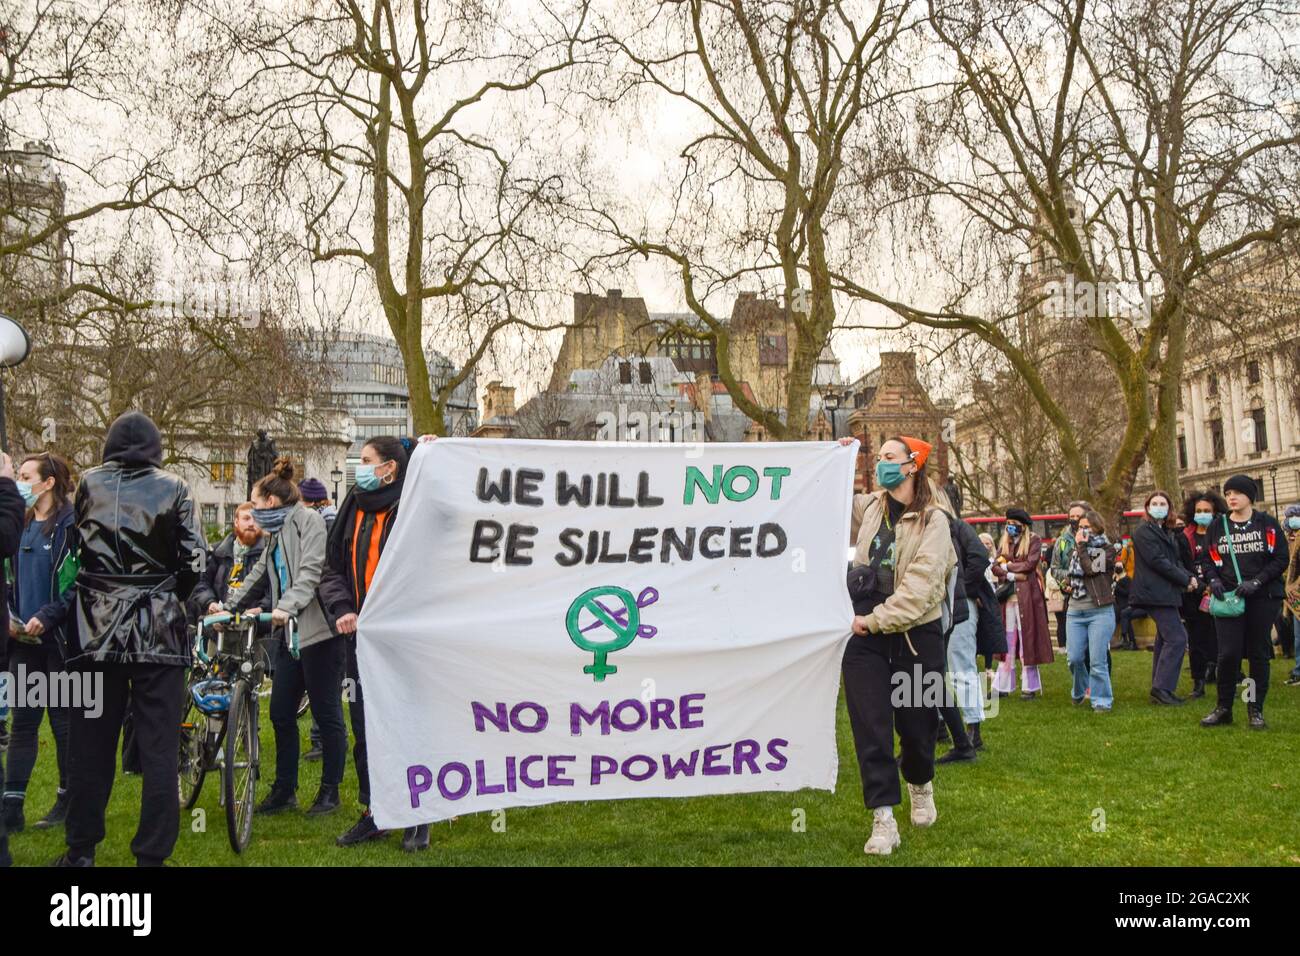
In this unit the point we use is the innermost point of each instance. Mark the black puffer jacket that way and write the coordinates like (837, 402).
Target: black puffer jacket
(141, 553)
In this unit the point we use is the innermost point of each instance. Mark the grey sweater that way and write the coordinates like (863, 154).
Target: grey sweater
(302, 547)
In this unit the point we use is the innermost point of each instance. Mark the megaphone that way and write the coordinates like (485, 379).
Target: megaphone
(15, 345)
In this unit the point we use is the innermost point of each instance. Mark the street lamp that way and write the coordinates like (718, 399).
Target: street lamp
(15, 346)
(336, 476)
(1272, 474)
(832, 402)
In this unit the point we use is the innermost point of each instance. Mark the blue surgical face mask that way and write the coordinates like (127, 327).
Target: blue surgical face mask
(1013, 530)
(1293, 522)
(1203, 518)
(1158, 512)
(367, 480)
(29, 496)
(270, 519)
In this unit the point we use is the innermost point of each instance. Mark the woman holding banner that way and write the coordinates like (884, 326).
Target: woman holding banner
(899, 586)
(356, 543)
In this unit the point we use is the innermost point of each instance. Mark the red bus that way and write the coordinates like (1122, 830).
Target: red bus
(1048, 526)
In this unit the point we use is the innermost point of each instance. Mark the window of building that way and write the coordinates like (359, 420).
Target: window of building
(209, 514)
(1216, 439)
(1182, 452)
(1252, 372)
(1212, 387)
(625, 373)
(643, 372)
(230, 513)
(772, 350)
(222, 472)
(1260, 428)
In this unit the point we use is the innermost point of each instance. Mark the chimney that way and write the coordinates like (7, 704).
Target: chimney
(897, 368)
(614, 297)
(499, 402)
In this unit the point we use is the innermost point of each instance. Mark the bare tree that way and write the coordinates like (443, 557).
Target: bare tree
(791, 138)
(381, 136)
(1134, 146)
(206, 374)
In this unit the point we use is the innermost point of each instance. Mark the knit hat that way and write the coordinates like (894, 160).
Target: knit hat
(1021, 515)
(1292, 511)
(313, 489)
(920, 449)
(1243, 484)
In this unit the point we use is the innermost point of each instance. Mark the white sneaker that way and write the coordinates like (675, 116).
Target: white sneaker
(924, 812)
(884, 832)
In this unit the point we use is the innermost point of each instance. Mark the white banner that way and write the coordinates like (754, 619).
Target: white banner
(581, 621)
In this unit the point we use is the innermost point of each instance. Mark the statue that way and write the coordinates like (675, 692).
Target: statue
(261, 458)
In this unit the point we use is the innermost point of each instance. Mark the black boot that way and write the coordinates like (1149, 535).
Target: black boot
(1255, 717)
(1212, 673)
(57, 815)
(1198, 690)
(277, 801)
(941, 735)
(415, 838)
(327, 800)
(1218, 717)
(363, 830)
(316, 753)
(976, 740)
(1165, 698)
(958, 755)
(13, 813)
(67, 859)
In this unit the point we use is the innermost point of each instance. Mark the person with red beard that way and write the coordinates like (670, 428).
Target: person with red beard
(229, 563)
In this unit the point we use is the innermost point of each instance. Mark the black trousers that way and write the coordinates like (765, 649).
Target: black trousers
(1202, 642)
(1126, 618)
(25, 659)
(357, 714)
(1060, 627)
(1248, 636)
(156, 693)
(879, 705)
(318, 671)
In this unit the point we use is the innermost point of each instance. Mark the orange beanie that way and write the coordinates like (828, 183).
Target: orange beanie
(920, 449)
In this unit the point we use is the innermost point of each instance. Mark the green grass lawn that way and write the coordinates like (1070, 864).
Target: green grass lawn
(1171, 792)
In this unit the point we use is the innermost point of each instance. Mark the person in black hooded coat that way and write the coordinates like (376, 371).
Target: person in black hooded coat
(141, 554)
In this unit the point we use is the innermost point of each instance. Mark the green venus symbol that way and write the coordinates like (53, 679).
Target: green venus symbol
(624, 633)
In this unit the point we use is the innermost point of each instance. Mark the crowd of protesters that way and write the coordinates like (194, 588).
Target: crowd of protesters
(108, 576)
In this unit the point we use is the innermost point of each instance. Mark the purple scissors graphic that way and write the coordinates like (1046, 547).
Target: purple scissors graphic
(644, 599)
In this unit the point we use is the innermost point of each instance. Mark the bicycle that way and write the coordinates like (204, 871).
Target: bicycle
(219, 729)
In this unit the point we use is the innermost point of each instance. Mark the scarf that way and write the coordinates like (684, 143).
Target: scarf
(1096, 544)
(383, 498)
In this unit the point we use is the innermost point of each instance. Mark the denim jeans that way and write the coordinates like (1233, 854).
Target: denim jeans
(1088, 634)
(1295, 626)
(963, 669)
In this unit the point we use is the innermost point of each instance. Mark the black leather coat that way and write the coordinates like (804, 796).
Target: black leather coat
(141, 554)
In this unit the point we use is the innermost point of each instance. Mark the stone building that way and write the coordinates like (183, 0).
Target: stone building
(890, 400)
(32, 197)
(760, 337)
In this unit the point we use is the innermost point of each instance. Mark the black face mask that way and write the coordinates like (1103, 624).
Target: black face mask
(1074, 524)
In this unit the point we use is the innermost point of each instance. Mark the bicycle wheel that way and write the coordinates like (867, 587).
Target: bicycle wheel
(192, 767)
(240, 771)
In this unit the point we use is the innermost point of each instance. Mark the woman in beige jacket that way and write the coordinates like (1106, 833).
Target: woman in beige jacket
(893, 665)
